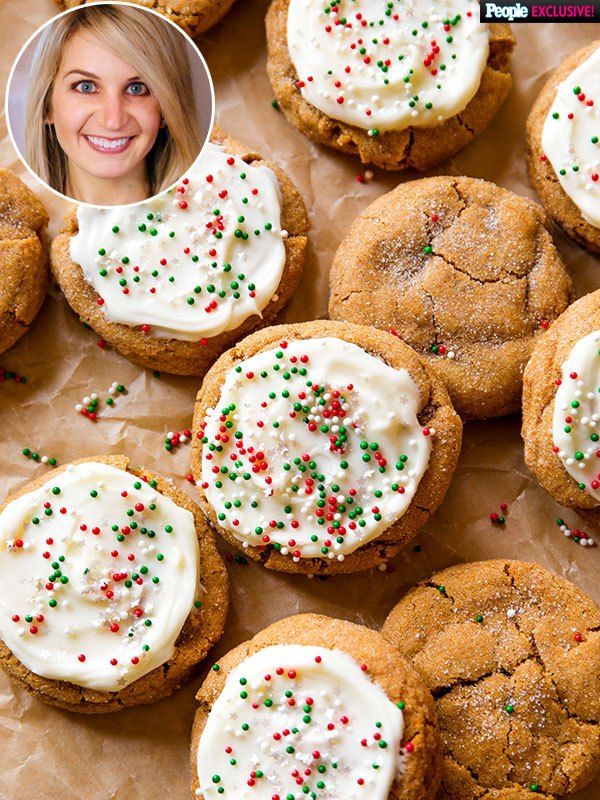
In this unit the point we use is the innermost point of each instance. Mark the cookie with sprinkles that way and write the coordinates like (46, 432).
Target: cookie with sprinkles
(315, 707)
(466, 272)
(400, 85)
(23, 262)
(112, 589)
(511, 653)
(172, 282)
(561, 409)
(563, 146)
(194, 16)
(322, 447)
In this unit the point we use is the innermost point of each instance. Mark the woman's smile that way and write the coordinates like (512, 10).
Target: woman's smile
(102, 144)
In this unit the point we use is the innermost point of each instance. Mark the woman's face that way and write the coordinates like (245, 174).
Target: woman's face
(105, 118)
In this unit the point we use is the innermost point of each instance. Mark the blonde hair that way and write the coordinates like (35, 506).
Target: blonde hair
(159, 54)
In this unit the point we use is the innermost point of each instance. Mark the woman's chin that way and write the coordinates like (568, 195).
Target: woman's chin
(111, 168)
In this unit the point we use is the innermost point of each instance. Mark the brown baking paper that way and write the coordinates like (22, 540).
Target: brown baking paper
(143, 753)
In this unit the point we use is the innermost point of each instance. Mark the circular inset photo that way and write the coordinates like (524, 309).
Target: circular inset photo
(109, 104)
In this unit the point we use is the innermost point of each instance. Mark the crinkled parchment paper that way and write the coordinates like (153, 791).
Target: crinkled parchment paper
(143, 753)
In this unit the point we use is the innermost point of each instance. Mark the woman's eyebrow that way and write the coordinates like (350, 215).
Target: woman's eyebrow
(81, 72)
(97, 77)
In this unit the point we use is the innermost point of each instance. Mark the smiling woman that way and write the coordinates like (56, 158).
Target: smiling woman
(106, 122)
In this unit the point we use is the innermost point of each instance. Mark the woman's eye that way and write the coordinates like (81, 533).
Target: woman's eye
(85, 87)
(137, 88)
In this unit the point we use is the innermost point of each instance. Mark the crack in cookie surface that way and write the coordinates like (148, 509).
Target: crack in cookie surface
(510, 681)
(468, 275)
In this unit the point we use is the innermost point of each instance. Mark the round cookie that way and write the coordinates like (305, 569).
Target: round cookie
(563, 146)
(23, 263)
(417, 93)
(172, 282)
(368, 728)
(194, 16)
(97, 611)
(560, 409)
(511, 654)
(466, 273)
(322, 447)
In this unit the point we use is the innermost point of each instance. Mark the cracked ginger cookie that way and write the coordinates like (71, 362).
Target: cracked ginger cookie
(194, 16)
(466, 272)
(23, 262)
(322, 447)
(315, 707)
(561, 409)
(511, 654)
(400, 86)
(112, 589)
(563, 146)
(172, 282)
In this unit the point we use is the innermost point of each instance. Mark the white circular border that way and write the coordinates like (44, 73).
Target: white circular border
(38, 31)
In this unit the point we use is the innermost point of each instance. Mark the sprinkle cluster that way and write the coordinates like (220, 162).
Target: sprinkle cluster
(90, 563)
(304, 475)
(8, 375)
(571, 137)
(33, 454)
(292, 729)
(91, 404)
(585, 102)
(576, 434)
(175, 439)
(579, 537)
(381, 64)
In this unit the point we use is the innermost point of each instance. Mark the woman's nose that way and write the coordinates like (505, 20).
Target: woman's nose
(113, 113)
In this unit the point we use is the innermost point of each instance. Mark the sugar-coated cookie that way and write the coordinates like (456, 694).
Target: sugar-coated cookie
(563, 146)
(172, 282)
(23, 262)
(561, 409)
(322, 447)
(466, 272)
(315, 707)
(194, 16)
(399, 86)
(511, 654)
(111, 587)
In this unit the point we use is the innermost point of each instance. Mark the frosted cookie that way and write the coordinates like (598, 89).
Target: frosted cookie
(511, 654)
(23, 262)
(315, 707)
(561, 409)
(466, 272)
(400, 85)
(112, 589)
(322, 447)
(172, 282)
(563, 146)
(194, 16)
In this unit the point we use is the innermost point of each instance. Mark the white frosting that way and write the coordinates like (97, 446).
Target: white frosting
(571, 137)
(204, 279)
(313, 474)
(417, 65)
(315, 720)
(65, 578)
(576, 421)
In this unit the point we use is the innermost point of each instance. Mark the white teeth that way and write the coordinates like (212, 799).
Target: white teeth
(108, 144)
